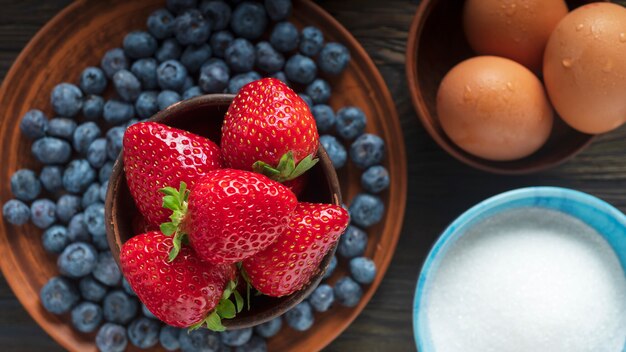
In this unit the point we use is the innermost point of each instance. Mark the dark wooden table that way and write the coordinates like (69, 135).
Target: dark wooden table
(440, 188)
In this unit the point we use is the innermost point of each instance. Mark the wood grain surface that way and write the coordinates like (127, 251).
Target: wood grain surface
(440, 187)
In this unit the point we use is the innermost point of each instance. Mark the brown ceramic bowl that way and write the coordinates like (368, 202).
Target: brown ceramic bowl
(436, 44)
(203, 115)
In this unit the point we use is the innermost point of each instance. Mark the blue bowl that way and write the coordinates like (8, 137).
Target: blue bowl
(600, 215)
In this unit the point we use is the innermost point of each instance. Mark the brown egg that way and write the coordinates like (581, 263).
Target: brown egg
(516, 29)
(494, 108)
(585, 68)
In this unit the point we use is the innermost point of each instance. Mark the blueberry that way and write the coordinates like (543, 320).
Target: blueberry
(106, 270)
(77, 260)
(92, 80)
(177, 6)
(128, 289)
(220, 41)
(58, 295)
(199, 340)
(105, 171)
(77, 230)
(240, 80)
(127, 85)
(188, 84)
(324, 117)
(311, 41)
(335, 150)
(51, 178)
(55, 239)
(93, 107)
(50, 150)
(25, 185)
(191, 27)
(319, 91)
(367, 150)
(111, 338)
(66, 99)
(300, 317)
(84, 135)
(116, 112)
(363, 270)
(115, 138)
(100, 242)
(217, 13)
(146, 312)
(366, 209)
(255, 344)
(160, 24)
(146, 104)
(192, 92)
(103, 191)
(43, 213)
(144, 332)
(119, 307)
(280, 75)
(91, 290)
(171, 74)
(270, 328)
(278, 10)
(94, 219)
(351, 122)
(168, 337)
(236, 337)
(86, 316)
(300, 69)
(169, 50)
(145, 71)
(113, 61)
(307, 99)
(248, 20)
(322, 298)
(167, 98)
(16, 212)
(96, 153)
(333, 58)
(352, 243)
(348, 292)
(78, 176)
(375, 179)
(331, 268)
(240, 55)
(214, 77)
(34, 124)
(284, 37)
(91, 195)
(268, 59)
(67, 206)
(139, 44)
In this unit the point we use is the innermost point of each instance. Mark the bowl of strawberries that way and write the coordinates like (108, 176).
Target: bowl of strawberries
(224, 211)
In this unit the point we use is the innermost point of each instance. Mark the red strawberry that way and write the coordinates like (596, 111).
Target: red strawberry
(183, 293)
(289, 263)
(157, 156)
(229, 214)
(269, 129)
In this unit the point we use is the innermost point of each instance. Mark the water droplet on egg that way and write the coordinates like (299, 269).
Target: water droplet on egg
(622, 37)
(567, 63)
(509, 85)
(580, 27)
(467, 95)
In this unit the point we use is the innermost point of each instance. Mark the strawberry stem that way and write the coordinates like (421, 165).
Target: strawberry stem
(225, 309)
(176, 201)
(286, 169)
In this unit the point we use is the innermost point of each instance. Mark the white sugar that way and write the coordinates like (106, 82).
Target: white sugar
(529, 280)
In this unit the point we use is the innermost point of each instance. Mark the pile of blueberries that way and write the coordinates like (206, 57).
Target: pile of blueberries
(191, 48)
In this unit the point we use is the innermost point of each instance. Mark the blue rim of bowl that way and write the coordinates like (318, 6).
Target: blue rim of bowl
(489, 207)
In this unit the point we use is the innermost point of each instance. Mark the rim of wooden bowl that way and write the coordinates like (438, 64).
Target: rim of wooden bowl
(169, 116)
(428, 121)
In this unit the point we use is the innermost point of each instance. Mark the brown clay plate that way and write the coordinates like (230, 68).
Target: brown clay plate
(78, 37)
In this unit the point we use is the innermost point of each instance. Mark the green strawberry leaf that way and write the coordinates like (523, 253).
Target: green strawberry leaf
(171, 203)
(287, 169)
(168, 228)
(226, 309)
(238, 301)
(169, 191)
(214, 322)
(177, 242)
(305, 164)
(176, 201)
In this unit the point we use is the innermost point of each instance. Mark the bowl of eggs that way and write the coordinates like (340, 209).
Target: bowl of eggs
(517, 87)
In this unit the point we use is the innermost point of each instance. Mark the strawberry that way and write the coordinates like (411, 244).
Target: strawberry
(228, 214)
(156, 156)
(183, 293)
(289, 263)
(269, 129)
